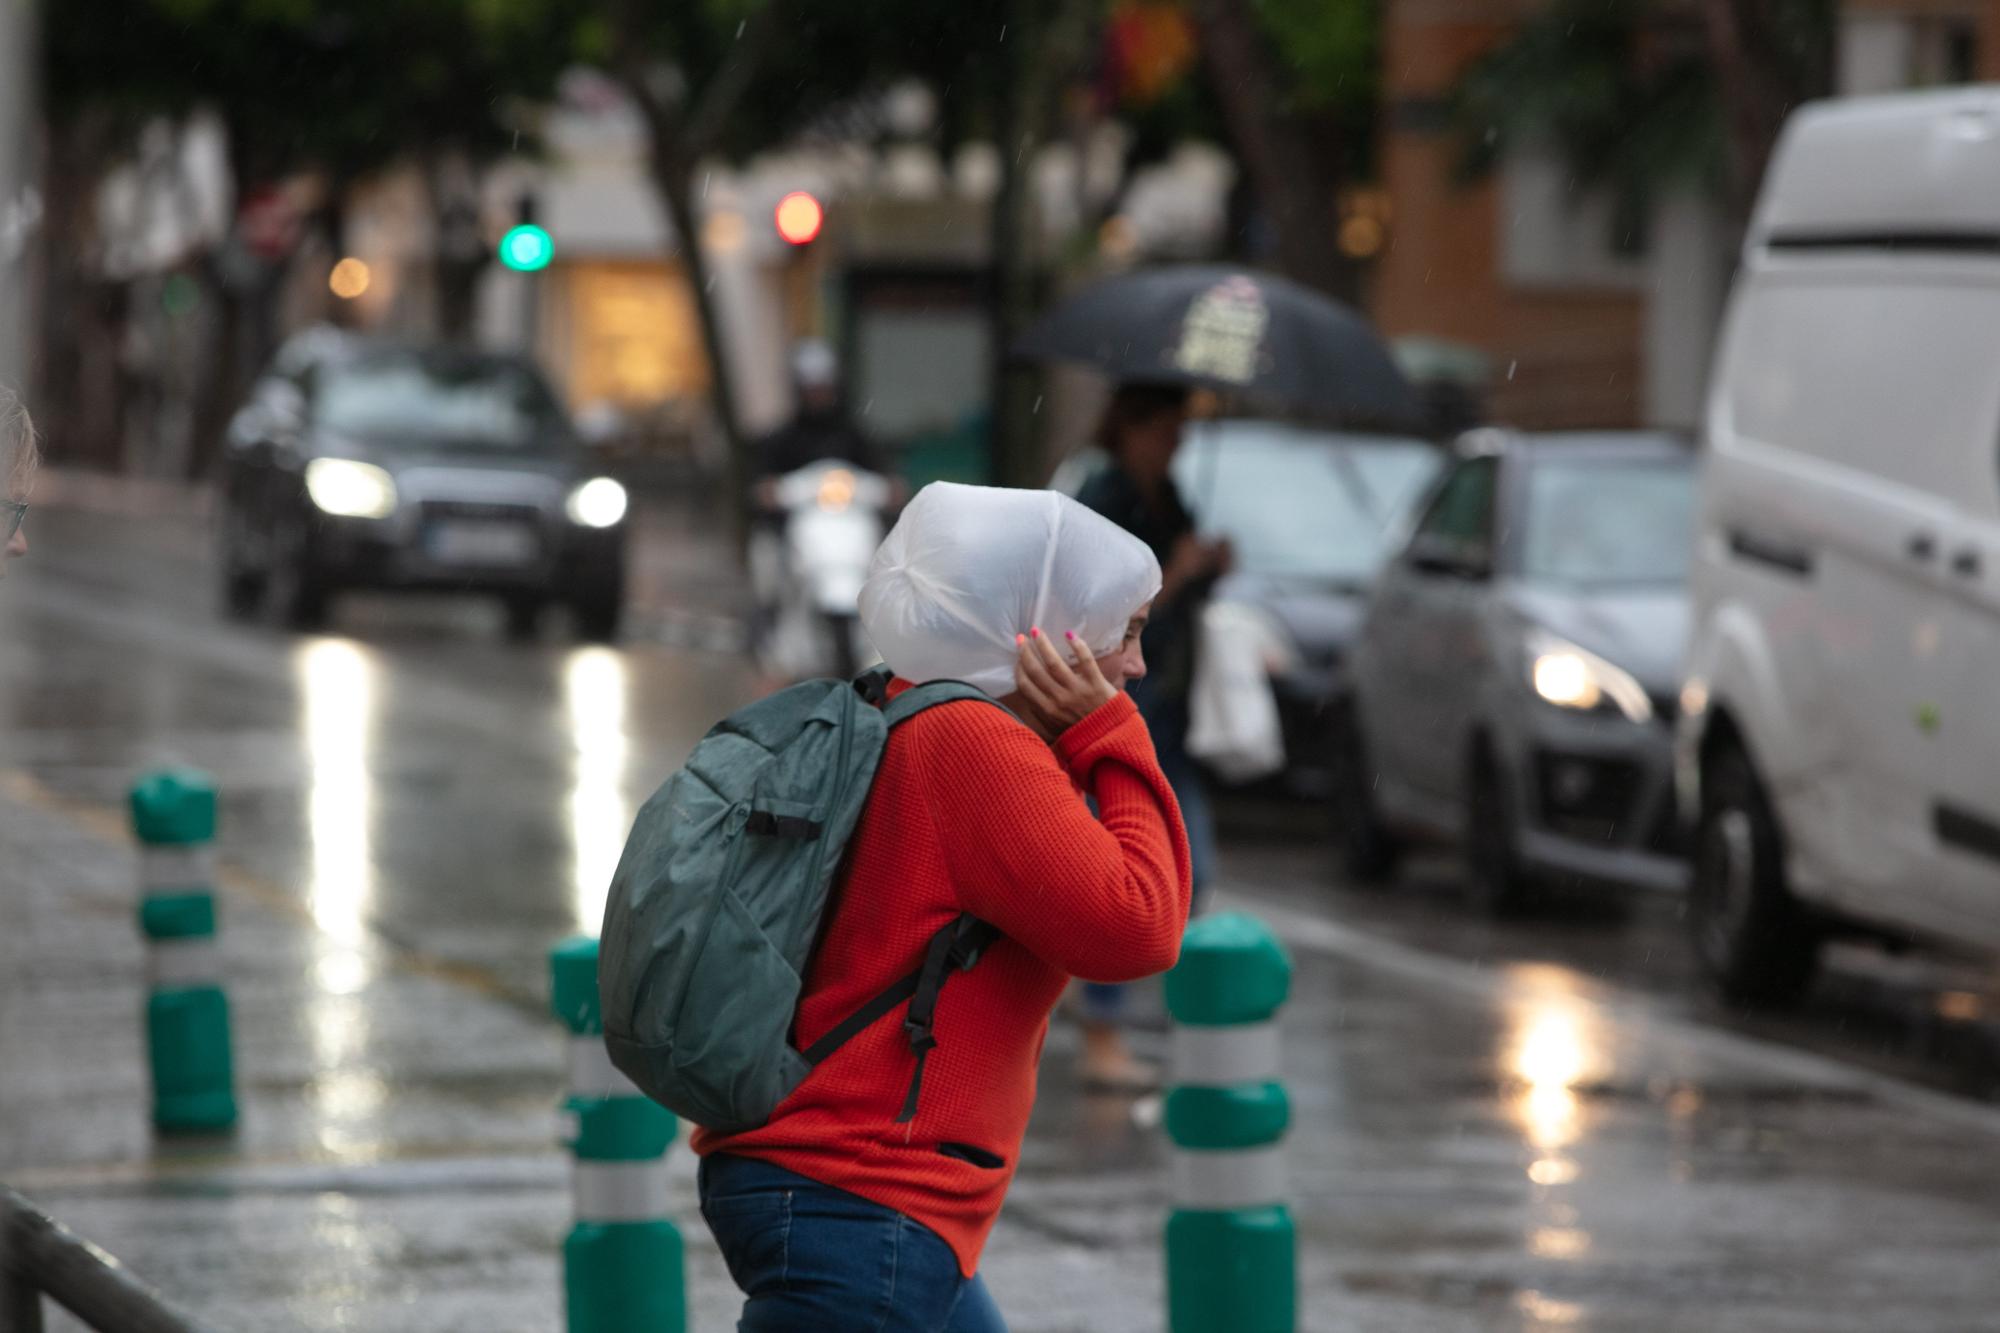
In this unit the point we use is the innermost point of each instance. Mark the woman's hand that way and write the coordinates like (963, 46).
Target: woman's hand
(1059, 694)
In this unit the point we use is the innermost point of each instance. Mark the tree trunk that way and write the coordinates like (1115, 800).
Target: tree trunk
(677, 139)
(674, 180)
(459, 255)
(70, 335)
(1045, 44)
(1295, 177)
(245, 325)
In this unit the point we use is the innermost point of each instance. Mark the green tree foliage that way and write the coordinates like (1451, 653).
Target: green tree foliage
(1640, 96)
(340, 85)
(1623, 93)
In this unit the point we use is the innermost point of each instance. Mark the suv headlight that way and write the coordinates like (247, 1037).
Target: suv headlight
(1572, 677)
(597, 503)
(348, 489)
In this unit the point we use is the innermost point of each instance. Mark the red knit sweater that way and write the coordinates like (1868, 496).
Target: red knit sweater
(972, 812)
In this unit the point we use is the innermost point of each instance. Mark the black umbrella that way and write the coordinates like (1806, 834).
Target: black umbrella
(1234, 330)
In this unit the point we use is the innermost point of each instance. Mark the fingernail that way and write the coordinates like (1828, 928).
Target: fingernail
(1020, 638)
(1070, 634)
(1034, 634)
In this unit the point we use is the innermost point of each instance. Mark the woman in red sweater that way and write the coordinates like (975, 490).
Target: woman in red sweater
(834, 1215)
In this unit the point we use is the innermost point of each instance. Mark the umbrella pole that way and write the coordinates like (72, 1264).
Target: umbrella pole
(1206, 437)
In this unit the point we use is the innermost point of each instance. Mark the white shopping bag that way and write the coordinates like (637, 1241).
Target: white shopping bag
(1232, 713)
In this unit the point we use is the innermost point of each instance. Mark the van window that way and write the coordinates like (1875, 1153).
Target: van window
(1898, 378)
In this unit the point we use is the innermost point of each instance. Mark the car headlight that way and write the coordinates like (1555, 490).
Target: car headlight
(348, 489)
(597, 503)
(1572, 677)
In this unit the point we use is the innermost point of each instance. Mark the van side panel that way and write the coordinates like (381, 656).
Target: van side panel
(1856, 395)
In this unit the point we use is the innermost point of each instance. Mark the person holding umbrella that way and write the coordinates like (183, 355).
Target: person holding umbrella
(1263, 342)
(1141, 432)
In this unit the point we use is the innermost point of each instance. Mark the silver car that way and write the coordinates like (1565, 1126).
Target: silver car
(1513, 687)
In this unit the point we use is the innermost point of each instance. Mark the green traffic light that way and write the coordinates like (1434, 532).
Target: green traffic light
(526, 248)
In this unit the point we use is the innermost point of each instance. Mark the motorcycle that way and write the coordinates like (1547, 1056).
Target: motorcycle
(809, 570)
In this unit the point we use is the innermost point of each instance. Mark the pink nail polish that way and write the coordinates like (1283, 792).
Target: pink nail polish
(1020, 639)
(1070, 635)
(1034, 634)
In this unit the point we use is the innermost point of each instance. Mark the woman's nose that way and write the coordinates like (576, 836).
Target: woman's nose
(17, 545)
(1135, 664)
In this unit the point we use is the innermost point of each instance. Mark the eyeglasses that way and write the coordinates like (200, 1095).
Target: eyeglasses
(11, 514)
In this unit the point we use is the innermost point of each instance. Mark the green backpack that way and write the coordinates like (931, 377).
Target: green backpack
(718, 898)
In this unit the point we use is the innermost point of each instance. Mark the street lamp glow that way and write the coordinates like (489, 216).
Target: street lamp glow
(350, 278)
(799, 217)
(526, 248)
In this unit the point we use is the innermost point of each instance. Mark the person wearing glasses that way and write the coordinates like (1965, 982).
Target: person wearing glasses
(19, 457)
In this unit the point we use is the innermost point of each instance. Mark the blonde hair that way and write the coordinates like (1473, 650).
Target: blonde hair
(20, 448)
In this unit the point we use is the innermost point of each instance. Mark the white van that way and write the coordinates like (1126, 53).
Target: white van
(1840, 728)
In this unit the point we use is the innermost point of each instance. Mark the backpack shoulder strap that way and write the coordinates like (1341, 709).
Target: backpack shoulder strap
(955, 947)
(918, 698)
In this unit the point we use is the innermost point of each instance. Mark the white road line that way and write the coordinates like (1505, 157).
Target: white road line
(1485, 985)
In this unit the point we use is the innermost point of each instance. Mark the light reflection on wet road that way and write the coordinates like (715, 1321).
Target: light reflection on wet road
(1529, 1125)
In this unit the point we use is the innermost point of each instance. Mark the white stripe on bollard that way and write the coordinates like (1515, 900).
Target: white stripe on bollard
(176, 867)
(591, 1073)
(621, 1191)
(1228, 1178)
(192, 960)
(1216, 1057)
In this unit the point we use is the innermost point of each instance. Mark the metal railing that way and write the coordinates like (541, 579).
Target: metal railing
(41, 1257)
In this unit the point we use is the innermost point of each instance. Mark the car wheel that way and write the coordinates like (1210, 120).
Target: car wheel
(1368, 851)
(1496, 883)
(599, 613)
(242, 586)
(296, 594)
(524, 617)
(1754, 942)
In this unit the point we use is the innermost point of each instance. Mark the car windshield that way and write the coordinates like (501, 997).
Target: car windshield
(1609, 521)
(467, 402)
(1300, 503)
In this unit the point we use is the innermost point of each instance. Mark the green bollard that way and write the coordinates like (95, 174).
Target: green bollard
(1230, 1245)
(187, 1013)
(622, 1260)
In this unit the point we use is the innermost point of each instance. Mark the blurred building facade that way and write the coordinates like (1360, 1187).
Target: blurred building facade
(1521, 266)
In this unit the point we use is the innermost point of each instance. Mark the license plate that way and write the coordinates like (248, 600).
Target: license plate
(458, 542)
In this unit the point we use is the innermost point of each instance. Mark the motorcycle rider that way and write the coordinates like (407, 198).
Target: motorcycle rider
(820, 430)
(820, 427)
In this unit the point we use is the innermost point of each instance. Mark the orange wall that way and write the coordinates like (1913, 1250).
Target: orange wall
(1574, 350)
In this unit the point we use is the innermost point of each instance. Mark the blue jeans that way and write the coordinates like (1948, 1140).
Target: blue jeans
(813, 1257)
(1167, 721)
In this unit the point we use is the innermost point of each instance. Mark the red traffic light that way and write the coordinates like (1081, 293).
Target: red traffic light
(799, 217)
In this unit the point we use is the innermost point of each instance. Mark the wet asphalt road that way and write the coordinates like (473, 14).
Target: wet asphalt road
(1536, 1124)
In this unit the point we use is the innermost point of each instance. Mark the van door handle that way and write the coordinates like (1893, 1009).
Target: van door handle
(1922, 547)
(1966, 563)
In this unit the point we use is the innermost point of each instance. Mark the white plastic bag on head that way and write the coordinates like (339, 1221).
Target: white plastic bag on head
(967, 568)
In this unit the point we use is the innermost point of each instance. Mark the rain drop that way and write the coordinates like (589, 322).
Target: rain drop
(1512, 366)
(741, 24)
